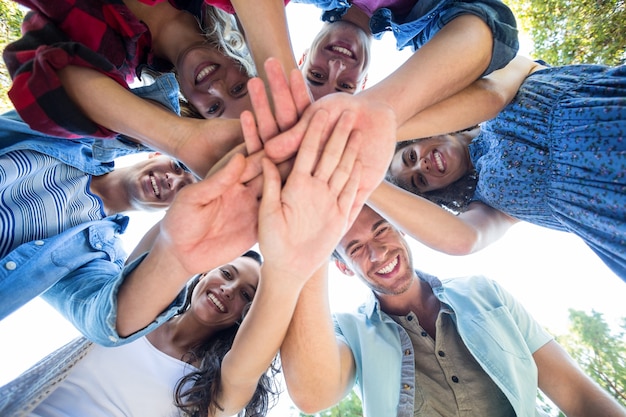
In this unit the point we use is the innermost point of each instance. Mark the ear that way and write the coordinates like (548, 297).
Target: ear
(343, 268)
(303, 57)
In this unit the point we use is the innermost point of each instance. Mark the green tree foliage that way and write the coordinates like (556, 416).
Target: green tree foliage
(350, 406)
(574, 31)
(11, 16)
(600, 352)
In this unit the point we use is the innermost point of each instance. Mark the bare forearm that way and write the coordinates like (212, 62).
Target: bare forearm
(480, 101)
(317, 373)
(265, 26)
(148, 290)
(198, 143)
(434, 71)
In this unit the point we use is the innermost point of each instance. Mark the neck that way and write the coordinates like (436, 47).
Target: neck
(110, 188)
(179, 336)
(171, 30)
(418, 298)
(359, 18)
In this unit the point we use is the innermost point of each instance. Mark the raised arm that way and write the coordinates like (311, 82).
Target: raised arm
(198, 143)
(264, 24)
(576, 395)
(480, 101)
(298, 229)
(436, 227)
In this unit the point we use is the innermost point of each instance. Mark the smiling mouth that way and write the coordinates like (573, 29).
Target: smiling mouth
(206, 72)
(342, 51)
(438, 160)
(389, 267)
(155, 185)
(217, 302)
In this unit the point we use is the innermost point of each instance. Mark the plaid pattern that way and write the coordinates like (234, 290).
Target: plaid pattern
(99, 34)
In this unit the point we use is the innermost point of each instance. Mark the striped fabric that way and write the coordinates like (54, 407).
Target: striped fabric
(41, 197)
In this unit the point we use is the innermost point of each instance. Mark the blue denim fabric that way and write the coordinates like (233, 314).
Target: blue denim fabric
(90, 155)
(79, 273)
(496, 329)
(427, 17)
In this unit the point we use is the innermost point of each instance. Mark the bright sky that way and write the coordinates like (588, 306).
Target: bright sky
(547, 271)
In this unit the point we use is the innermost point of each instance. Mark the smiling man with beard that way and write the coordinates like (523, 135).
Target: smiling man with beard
(424, 346)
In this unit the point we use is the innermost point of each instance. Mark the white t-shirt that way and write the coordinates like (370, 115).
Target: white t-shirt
(135, 379)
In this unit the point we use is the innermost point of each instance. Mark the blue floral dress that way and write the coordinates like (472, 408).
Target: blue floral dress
(556, 156)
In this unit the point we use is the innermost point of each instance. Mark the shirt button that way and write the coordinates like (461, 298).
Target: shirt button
(10, 265)
(441, 353)
(98, 245)
(407, 352)
(424, 334)
(409, 318)
(406, 387)
(455, 379)
(39, 242)
(113, 338)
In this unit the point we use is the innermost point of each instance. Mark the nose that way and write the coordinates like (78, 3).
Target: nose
(424, 164)
(335, 67)
(177, 181)
(217, 88)
(377, 252)
(227, 291)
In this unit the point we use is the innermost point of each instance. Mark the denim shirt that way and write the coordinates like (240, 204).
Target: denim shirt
(496, 329)
(79, 273)
(90, 155)
(428, 17)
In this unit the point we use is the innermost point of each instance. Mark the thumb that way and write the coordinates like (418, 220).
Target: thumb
(271, 186)
(217, 183)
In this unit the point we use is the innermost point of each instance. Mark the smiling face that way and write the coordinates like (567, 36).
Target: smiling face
(152, 184)
(213, 83)
(337, 59)
(378, 254)
(431, 164)
(222, 294)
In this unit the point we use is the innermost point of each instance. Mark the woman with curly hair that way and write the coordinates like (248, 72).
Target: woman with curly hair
(552, 154)
(178, 365)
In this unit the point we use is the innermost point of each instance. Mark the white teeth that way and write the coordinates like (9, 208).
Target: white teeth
(438, 161)
(205, 72)
(387, 269)
(155, 186)
(216, 302)
(342, 50)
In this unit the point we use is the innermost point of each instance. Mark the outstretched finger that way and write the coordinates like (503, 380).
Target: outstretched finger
(299, 91)
(217, 183)
(347, 200)
(267, 127)
(271, 187)
(335, 146)
(343, 171)
(251, 136)
(312, 144)
(286, 111)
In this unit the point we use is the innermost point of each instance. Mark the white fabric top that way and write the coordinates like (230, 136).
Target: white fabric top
(135, 379)
(40, 196)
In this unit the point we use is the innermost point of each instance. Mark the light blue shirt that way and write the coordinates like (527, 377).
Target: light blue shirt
(497, 330)
(79, 273)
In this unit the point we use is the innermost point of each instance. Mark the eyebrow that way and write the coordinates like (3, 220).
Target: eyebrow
(374, 227)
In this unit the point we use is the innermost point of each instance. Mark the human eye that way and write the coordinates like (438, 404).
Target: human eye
(226, 274)
(246, 296)
(213, 109)
(355, 250)
(381, 230)
(177, 167)
(412, 156)
(239, 90)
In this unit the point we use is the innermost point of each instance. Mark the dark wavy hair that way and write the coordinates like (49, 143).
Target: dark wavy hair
(454, 197)
(196, 392)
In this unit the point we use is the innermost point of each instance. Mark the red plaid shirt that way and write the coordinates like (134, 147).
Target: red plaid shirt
(99, 34)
